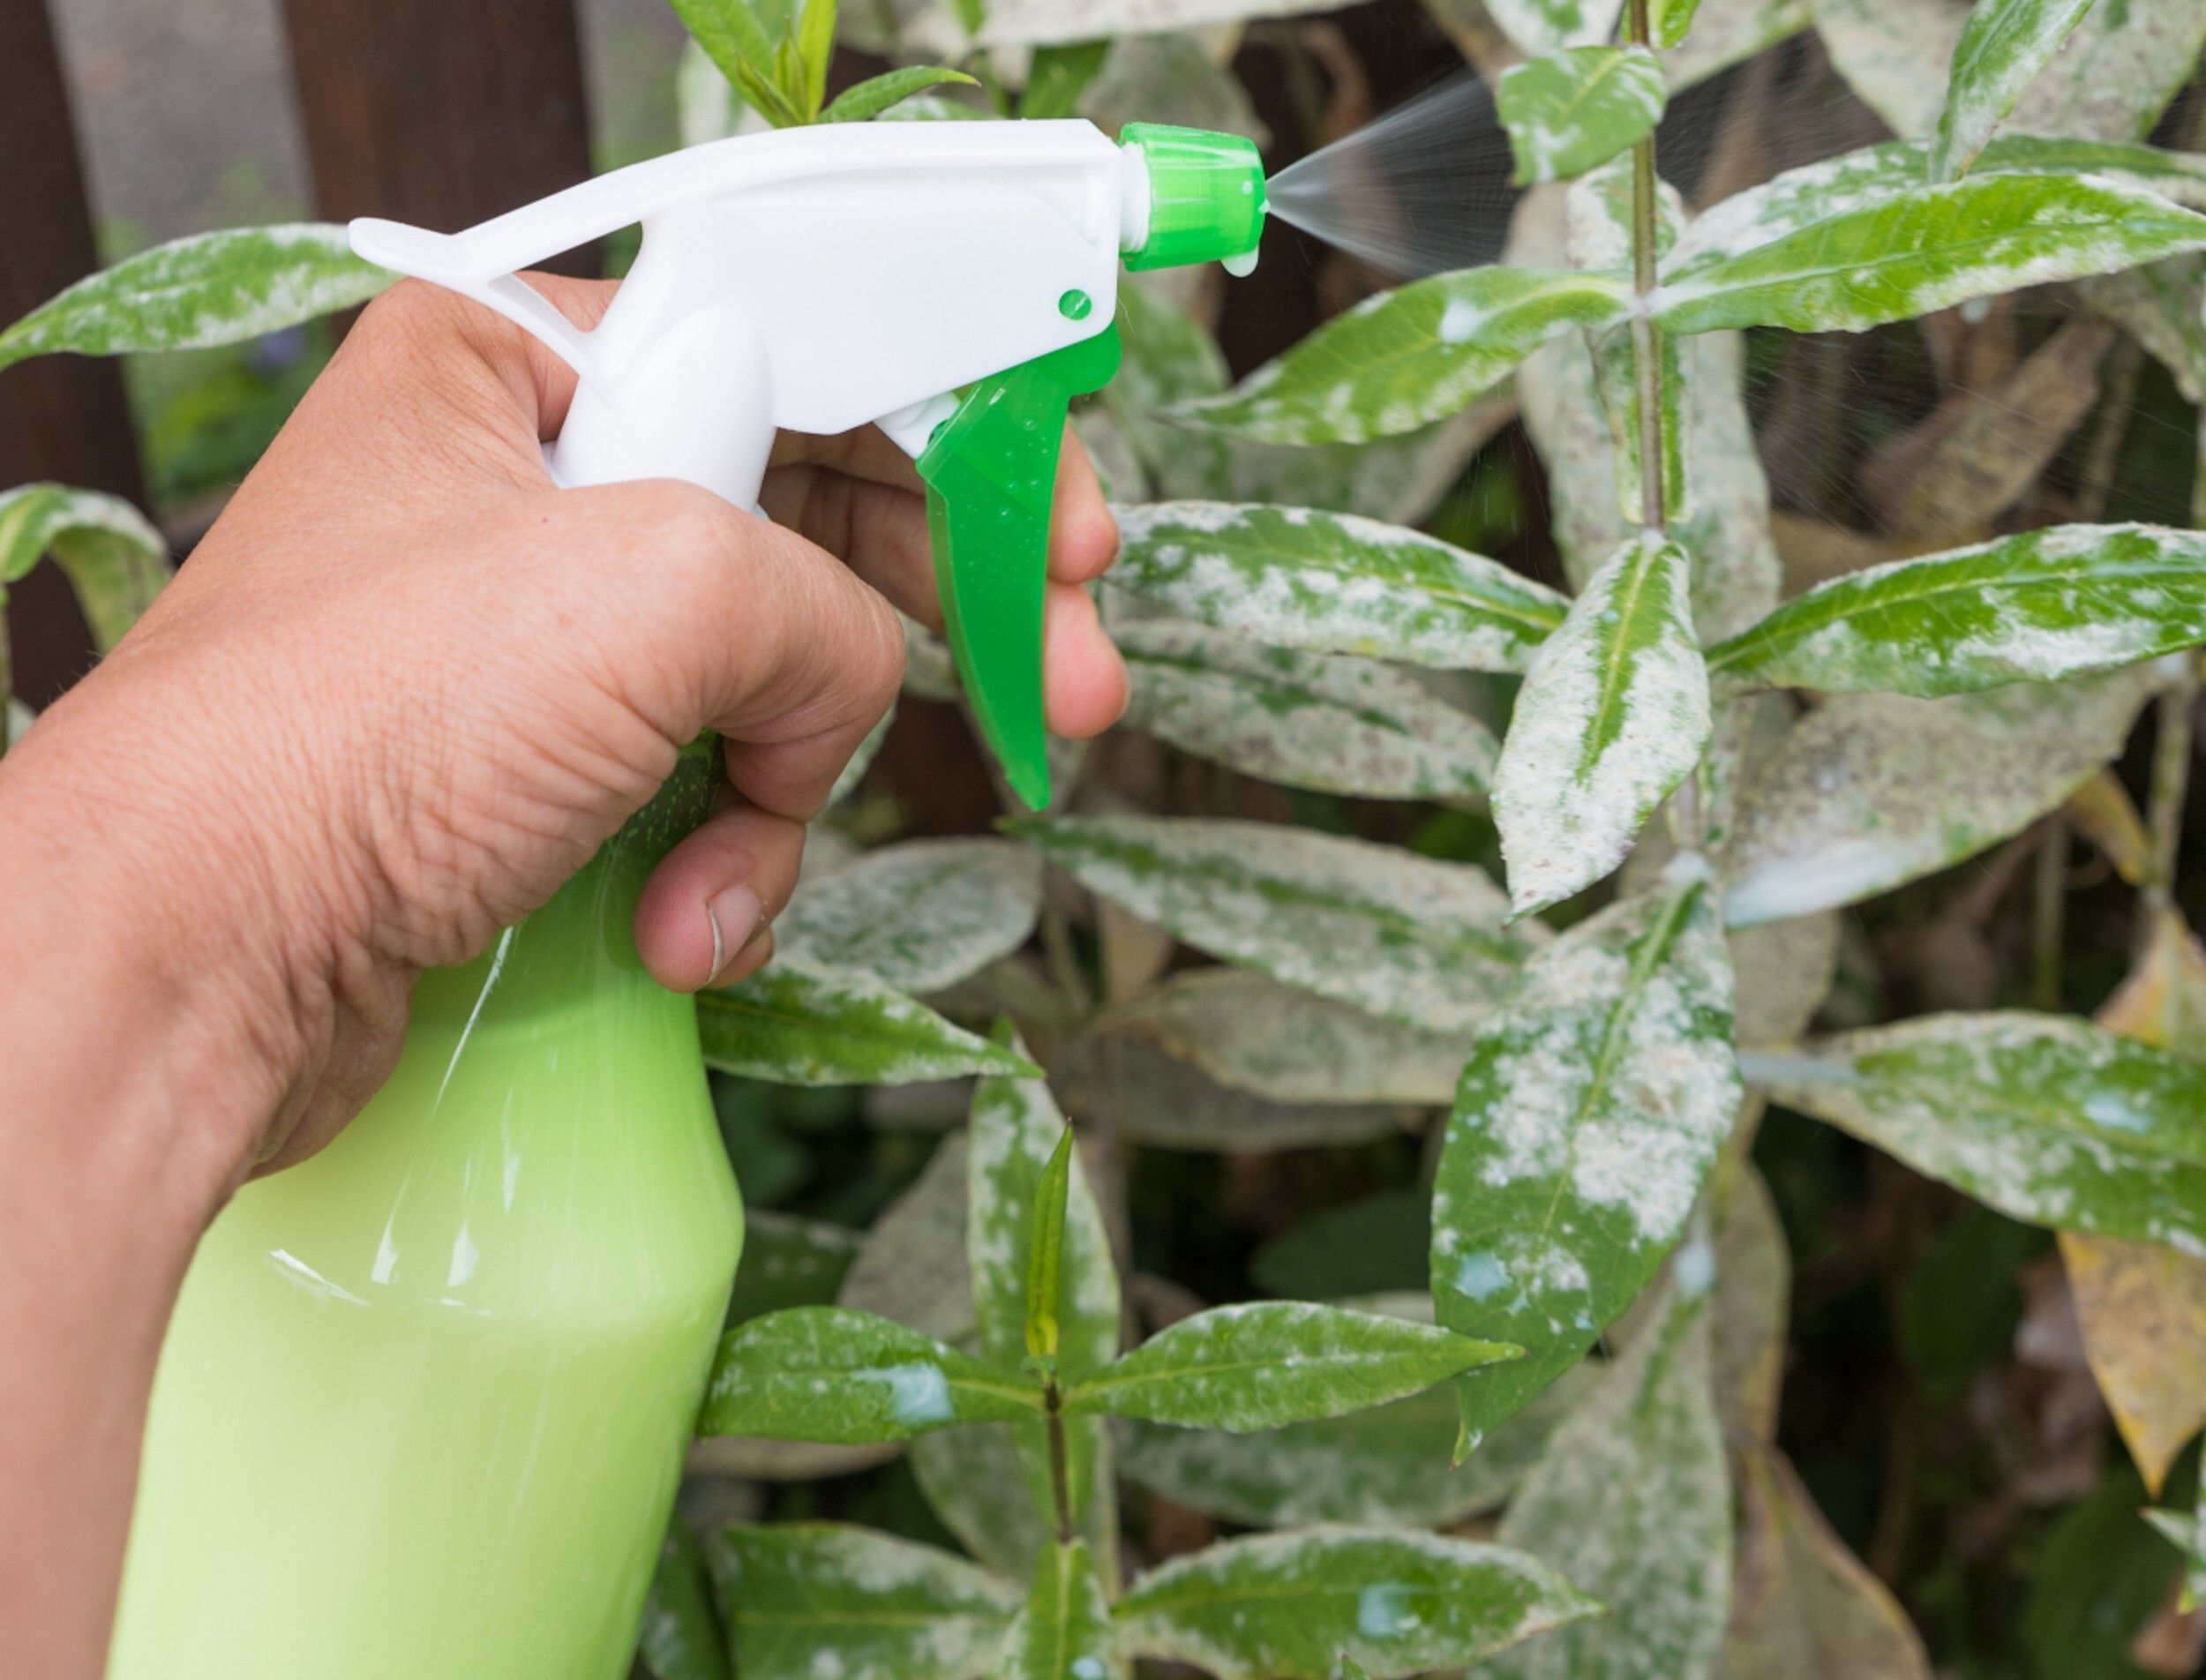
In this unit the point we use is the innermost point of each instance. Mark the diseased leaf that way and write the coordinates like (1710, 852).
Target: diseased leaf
(1065, 1631)
(1667, 20)
(1929, 248)
(1388, 1465)
(1613, 716)
(1331, 724)
(912, 1265)
(1542, 26)
(978, 1481)
(1408, 358)
(870, 98)
(1333, 584)
(1403, 936)
(1291, 1047)
(829, 1374)
(1804, 1607)
(209, 289)
(2162, 306)
(917, 916)
(114, 557)
(1589, 1113)
(680, 1638)
(1633, 1492)
(797, 1027)
(886, 1609)
(1869, 790)
(1571, 111)
(1266, 1363)
(2045, 1118)
(1296, 1606)
(2003, 46)
(2036, 607)
(789, 1261)
(1725, 33)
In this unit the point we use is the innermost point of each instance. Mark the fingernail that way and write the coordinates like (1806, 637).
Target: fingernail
(733, 914)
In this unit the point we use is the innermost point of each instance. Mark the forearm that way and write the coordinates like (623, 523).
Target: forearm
(134, 1076)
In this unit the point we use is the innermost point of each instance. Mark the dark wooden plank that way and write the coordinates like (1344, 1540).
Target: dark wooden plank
(440, 112)
(61, 416)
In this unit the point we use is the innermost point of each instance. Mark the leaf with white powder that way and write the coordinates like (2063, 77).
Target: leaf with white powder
(2036, 607)
(1330, 724)
(794, 1026)
(2047, 1118)
(1589, 1113)
(1065, 1631)
(113, 556)
(2003, 46)
(917, 916)
(1613, 716)
(1571, 111)
(1405, 937)
(1542, 26)
(1408, 358)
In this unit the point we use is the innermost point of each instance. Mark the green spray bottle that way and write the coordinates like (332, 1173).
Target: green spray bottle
(423, 1407)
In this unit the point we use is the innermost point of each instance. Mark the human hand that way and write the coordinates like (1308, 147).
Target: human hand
(405, 688)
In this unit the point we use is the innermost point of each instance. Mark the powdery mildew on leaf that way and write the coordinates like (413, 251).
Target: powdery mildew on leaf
(1294, 1606)
(1929, 248)
(115, 559)
(1265, 1363)
(1613, 716)
(1869, 790)
(1388, 1465)
(977, 1481)
(209, 289)
(826, 1601)
(1296, 577)
(1589, 1113)
(792, 1026)
(910, 1264)
(917, 916)
(2036, 607)
(1408, 937)
(1250, 1032)
(1065, 1631)
(1573, 110)
(2047, 1118)
(1406, 359)
(1332, 723)
(1543, 26)
(1633, 1492)
(2003, 46)
(1726, 32)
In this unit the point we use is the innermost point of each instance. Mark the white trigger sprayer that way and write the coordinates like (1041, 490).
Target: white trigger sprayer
(953, 283)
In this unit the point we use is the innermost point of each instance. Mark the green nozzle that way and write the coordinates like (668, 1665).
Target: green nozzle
(1205, 195)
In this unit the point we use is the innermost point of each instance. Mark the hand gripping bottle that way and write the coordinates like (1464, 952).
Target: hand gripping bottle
(423, 1407)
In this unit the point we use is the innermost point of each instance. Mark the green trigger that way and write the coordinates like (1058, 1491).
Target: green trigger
(991, 475)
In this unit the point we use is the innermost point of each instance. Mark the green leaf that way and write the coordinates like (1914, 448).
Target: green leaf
(1332, 724)
(1927, 249)
(2047, 1118)
(1571, 111)
(1405, 937)
(1408, 358)
(2038, 607)
(1254, 1034)
(209, 289)
(870, 97)
(829, 1374)
(2003, 46)
(1058, 76)
(917, 916)
(1633, 1492)
(816, 47)
(1669, 21)
(1869, 790)
(114, 557)
(730, 32)
(1333, 584)
(1388, 1465)
(878, 1607)
(1046, 1252)
(979, 1483)
(789, 1261)
(765, 96)
(793, 1027)
(2186, 1530)
(1542, 26)
(1614, 715)
(1065, 1632)
(680, 1639)
(1589, 1113)
(1265, 1363)
(1294, 1606)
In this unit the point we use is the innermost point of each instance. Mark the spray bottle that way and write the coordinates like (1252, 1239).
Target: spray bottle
(422, 1405)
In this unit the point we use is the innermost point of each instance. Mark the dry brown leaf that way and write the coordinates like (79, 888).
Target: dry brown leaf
(1803, 1607)
(2143, 1308)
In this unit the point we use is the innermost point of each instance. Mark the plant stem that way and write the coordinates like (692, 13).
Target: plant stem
(1060, 1475)
(2163, 804)
(1646, 337)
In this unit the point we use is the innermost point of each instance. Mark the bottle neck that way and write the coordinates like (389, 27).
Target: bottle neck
(582, 943)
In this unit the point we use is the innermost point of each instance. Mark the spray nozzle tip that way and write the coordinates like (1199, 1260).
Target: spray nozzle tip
(1206, 197)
